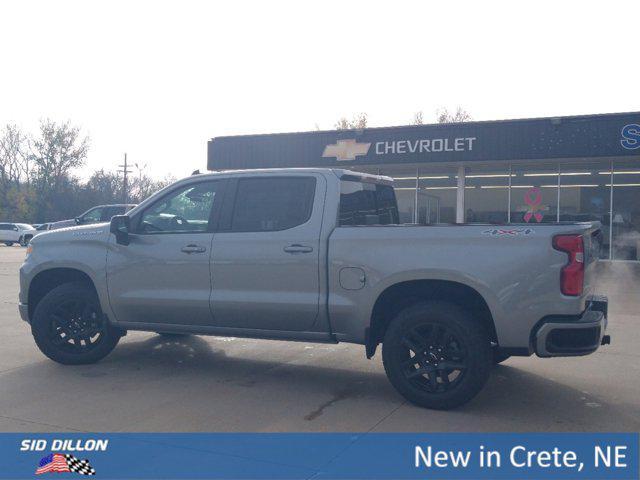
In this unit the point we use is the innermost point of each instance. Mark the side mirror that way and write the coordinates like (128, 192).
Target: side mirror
(78, 220)
(120, 225)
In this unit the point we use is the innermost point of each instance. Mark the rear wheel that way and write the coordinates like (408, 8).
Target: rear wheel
(69, 327)
(436, 355)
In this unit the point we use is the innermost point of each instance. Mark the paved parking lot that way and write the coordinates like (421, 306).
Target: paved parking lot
(224, 384)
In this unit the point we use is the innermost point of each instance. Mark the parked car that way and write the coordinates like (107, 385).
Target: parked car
(21, 233)
(42, 227)
(101, 213)
(319, 255)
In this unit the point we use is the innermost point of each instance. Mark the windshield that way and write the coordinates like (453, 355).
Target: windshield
(24, 226)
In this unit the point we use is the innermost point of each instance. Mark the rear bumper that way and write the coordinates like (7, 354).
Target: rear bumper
(563, 337)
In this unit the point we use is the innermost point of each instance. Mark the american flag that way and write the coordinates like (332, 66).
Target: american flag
(58, 462)
(54, 462)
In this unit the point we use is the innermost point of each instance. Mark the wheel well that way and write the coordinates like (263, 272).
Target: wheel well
(47, 280)
(401, 295)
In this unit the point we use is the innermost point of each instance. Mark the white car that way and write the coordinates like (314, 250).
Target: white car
(11, 233)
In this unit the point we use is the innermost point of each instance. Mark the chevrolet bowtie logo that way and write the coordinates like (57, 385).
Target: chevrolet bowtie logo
(346, 150)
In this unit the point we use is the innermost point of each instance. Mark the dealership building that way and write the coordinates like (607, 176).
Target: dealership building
(556, 169)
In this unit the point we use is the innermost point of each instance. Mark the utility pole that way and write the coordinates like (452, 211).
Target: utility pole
(125, 186)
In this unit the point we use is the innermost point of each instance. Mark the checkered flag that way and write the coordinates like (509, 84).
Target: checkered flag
(79, 466)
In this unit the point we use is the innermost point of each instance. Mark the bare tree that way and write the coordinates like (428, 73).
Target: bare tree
(57, 151)
(357, 122)
(417, 118)
(14, 163)
(460, 115)
(144, 186)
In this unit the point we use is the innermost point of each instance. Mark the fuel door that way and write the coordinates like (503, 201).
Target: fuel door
(352, 278)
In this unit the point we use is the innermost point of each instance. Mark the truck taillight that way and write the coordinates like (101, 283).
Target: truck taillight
(572, 274)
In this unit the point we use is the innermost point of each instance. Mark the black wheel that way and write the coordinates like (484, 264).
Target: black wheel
(436, 355)
(69, 327)
(8, 244)
(24, 241)
(499, 357)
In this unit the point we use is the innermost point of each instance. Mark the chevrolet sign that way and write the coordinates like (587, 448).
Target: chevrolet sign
(536, 139)
(346, 150)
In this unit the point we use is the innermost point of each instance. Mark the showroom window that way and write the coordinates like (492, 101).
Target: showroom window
(625, 222)
(486, 196)
(437, 195)
(534, 193)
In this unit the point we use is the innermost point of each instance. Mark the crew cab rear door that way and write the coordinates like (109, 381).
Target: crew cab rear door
(265, 255)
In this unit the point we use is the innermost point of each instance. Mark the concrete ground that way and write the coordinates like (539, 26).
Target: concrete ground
(223, 384)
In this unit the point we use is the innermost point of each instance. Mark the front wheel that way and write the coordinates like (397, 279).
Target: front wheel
(24, 241)
(436, 355)
(8, 244)
(69, 327)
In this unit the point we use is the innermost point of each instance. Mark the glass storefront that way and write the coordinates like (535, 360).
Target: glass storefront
(486, 196)
(437, 195)
(535, 192)
(625, 221)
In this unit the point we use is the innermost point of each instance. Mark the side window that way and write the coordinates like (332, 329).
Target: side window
(111, 212)
(93, 216)
(186, 210)
(272, 204)
(5, 226)
(367, 204)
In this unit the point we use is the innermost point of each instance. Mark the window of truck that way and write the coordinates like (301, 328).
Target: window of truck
(272, 203)
(364, 203)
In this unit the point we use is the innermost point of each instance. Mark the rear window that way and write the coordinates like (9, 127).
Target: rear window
(367, 204)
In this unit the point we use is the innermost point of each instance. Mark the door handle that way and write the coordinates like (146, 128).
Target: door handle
(193, 249)
(297, 248)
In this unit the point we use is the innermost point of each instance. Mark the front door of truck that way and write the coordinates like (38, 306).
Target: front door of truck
(265, 256)
(163, 275)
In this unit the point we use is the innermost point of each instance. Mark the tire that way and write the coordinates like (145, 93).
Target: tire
(72, 311)
(445, 335)
(499, 357)
(9, 244)
(24, 241)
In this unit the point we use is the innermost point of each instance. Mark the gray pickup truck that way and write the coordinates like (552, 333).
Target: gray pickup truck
(318, 255)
